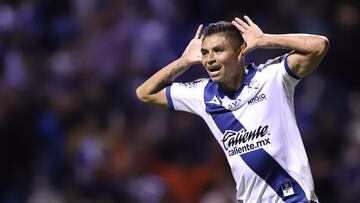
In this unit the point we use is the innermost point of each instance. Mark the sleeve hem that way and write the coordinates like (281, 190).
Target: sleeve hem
(289, 71)
(168, 97)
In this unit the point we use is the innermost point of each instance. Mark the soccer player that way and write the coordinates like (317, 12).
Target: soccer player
(248, 108)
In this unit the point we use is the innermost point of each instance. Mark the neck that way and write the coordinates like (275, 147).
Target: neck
(235, 81)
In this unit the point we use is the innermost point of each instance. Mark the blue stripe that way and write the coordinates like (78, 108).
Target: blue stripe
(289, 71)
(259, 160)
(227, 120)
(168, 97)
(264, 165)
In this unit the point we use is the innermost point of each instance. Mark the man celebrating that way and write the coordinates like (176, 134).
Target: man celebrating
(249, 109)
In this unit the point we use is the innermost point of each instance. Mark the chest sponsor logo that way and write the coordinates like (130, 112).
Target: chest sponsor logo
(238, 142)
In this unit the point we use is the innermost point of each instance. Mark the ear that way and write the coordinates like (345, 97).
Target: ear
(241, 52)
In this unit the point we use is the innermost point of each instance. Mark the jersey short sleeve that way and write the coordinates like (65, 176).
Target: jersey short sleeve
(288, 76)
(281, 72)
(186, 96)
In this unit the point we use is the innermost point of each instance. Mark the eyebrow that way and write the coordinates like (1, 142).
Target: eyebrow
(219, 45)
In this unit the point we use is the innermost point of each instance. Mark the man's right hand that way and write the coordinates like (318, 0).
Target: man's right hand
(192, 53)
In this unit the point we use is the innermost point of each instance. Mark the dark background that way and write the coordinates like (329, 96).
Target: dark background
(72, 130)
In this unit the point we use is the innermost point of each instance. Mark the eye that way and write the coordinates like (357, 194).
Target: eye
(217, 50)
(204, 52)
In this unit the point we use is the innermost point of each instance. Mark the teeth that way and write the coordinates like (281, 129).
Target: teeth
(214, 73)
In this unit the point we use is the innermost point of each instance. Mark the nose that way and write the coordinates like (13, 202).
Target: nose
(210, 59)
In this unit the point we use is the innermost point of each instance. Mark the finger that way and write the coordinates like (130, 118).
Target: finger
(242, 23)
(241, 28)
(198, 32)
(248, 20)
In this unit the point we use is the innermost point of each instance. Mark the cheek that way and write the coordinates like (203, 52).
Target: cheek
(203, 60)
(230, 61)
(203, 64)
(229, 65)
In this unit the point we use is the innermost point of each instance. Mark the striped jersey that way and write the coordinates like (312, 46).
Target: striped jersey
(257, 130)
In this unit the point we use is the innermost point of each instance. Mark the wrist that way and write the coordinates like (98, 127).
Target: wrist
(186, 62)
(264, 41)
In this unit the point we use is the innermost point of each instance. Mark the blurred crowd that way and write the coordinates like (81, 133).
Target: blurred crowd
(72, 130)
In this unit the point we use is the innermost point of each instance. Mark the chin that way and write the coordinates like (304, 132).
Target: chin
(216, 79)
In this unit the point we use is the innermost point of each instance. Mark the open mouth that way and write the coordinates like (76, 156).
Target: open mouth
(214, 71)
(214, 68)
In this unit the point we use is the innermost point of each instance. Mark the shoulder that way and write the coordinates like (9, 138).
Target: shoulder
(278, 66)
(271, 62)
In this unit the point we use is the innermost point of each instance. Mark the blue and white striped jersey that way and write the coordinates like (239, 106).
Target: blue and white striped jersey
(256, 128)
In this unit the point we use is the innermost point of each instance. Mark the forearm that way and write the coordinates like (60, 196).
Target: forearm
(302, 43)
(308, 52)
(161, 79)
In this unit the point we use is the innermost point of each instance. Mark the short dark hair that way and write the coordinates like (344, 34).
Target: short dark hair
(226, 28)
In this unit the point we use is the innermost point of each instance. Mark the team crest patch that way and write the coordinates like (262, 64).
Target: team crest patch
(254, 86)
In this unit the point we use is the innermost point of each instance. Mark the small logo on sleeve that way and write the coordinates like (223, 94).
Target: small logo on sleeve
(192, 84)
(287, 189)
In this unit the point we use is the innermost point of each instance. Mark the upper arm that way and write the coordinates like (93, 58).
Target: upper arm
(178, 96)
(302, 64)
(158, 98)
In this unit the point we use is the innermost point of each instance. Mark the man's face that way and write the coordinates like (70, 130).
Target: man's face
(219, 58)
